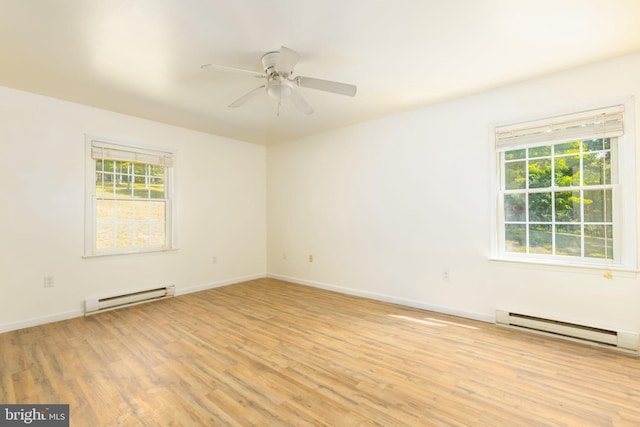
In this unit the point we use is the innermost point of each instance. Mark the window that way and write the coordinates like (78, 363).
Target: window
(128, 199)
(561, 194)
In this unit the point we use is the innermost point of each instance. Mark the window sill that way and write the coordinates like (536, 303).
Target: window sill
(116, 254)
(615, 270)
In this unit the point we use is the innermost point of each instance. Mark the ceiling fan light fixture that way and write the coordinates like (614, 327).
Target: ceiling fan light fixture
(280, 89)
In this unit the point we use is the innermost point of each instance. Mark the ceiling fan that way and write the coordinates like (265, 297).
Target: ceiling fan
(278, 69)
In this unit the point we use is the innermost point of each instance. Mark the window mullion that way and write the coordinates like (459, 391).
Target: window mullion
(582, 224)
(527, 226)
(553, 190)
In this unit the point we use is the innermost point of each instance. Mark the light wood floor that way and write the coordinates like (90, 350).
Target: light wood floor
(271, 353)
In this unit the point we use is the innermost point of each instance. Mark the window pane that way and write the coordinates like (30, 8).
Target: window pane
(105, 236)
(598, 241)
(156, 171)
(123, 167)
(157, 211)
(597, 168)
(515, 175)
(141, 210)
(156, 190)
(514, 207)
(142, 234)
(544, 151)
(597, 144)
(568, 206)
(540, 173)
(109, 165)
(140, 189)
(515, 154)
(597, 206)
(515, 238)
(124, 234)
(567, 171)
(568, 240)
(124, 211)
(540, 239)
(104, 184)
(157, 237)
(567, 148)
(105, 211)
(123, 188)
(140, 169)
(540, 207)
(99, 184)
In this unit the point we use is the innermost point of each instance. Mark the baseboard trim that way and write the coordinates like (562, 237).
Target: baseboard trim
(219, 284)
(22, 324)
(387, 298)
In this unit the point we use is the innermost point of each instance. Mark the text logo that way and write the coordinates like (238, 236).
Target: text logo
(34, 415)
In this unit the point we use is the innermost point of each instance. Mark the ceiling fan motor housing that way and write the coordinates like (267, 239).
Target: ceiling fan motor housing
(269, 61)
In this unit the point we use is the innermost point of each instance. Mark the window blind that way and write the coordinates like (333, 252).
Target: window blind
(601, 123)
(105, 151)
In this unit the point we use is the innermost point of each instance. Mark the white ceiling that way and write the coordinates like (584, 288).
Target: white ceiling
(143, 57)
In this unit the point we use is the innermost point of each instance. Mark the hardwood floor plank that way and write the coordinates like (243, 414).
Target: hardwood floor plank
(268, 352)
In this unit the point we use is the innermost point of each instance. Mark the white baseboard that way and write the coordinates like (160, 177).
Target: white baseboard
(21, 324)
(388, 298)
(204, 287)
(12, 326)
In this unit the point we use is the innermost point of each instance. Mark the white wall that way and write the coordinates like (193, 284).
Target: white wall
(220, 204)
(386, 206)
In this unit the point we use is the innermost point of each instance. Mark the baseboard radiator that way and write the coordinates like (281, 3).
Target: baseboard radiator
(618, 340)
(99, 305)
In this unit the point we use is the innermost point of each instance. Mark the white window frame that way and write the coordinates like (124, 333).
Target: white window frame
(125, 152)
(547, 131)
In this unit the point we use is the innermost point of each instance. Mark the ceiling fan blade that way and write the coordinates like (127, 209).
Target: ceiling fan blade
(327, 86)
(244, 98)
(287, 59)
(300, 103)
(232, 69)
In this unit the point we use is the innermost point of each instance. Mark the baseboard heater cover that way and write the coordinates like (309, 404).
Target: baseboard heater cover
(101, 304)
(620, 340)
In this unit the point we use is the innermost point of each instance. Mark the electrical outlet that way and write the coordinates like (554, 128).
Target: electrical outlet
(310, 258)
(284, 256)
(214, 260)
(445, 275)
(48, 281)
